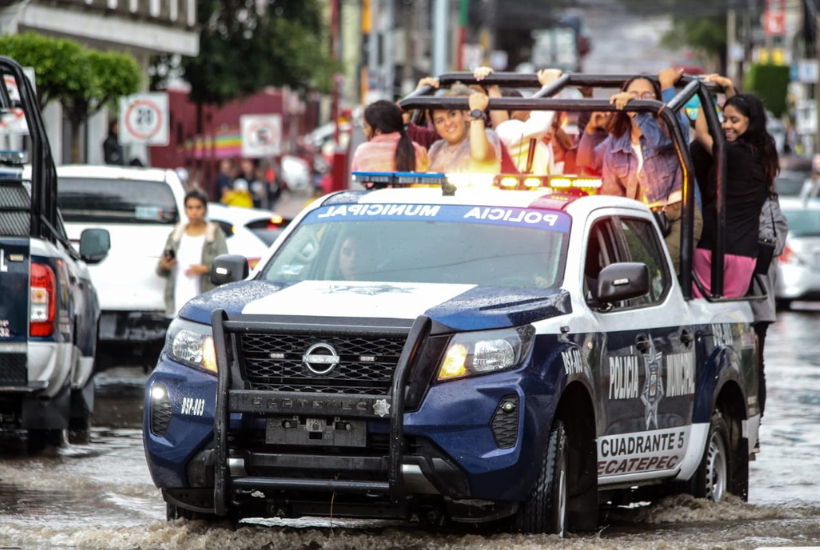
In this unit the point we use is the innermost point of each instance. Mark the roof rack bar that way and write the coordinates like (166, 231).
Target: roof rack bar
(719, 156)
(414, 101)
(518, 80)
(553, 88)
(682, 97)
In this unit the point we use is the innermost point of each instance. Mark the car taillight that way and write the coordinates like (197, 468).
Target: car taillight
(790, 257)
(252, 262)
(43, 298)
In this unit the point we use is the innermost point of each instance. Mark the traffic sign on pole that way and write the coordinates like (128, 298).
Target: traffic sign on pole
(13, 121)
(261, 135)
(144, 119)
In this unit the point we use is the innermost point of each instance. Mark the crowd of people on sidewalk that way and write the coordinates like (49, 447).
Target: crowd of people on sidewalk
(632, 153)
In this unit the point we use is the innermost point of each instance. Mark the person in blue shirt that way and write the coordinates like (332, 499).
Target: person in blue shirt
(639, 161)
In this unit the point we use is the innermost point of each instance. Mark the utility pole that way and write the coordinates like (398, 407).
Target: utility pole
(816, 139)
(731, 45)
(441, 11)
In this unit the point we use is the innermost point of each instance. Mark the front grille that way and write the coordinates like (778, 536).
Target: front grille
(274, 362)
(13, 368)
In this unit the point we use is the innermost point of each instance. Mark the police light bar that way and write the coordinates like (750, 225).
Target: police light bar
(398, 179)
(14, 158)
(533, 182)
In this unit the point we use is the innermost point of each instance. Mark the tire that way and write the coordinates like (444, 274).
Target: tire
(545, 511)
(713, 478)
(38, 440)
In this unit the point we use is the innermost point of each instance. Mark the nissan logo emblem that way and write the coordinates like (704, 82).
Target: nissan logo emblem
(322, 362)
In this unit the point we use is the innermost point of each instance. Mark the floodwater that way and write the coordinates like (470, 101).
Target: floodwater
(100, 496)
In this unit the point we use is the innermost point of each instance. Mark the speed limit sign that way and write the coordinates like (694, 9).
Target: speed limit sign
(144, 119)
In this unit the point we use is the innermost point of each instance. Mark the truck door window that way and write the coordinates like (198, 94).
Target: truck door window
(642, 245)
(601, 251)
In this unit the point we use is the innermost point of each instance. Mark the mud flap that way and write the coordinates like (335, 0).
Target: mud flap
(48, 414)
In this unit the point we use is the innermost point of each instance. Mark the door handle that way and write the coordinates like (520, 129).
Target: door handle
(687, 337)
(642, 343)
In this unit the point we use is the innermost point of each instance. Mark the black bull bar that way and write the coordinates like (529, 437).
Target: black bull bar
(230, 399)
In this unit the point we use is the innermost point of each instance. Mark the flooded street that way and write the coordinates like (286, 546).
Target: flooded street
(100, 495)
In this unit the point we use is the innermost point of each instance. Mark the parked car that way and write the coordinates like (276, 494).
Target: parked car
(249, 231)
(798, 276)
(789, 183)
(139, 207)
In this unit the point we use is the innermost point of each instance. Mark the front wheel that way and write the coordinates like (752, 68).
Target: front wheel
(545, 511)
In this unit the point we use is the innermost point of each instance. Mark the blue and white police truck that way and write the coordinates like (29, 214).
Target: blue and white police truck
(48, 306)
(509, 348)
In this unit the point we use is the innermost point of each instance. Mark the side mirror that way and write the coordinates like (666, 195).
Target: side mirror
(94, 245)
(229, 268)
(623, 281)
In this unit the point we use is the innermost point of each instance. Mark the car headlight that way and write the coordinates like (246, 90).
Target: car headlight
(191, 344)
(485, 352)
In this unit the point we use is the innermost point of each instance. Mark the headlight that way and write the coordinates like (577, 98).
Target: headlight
(472, 353)
(191, 344)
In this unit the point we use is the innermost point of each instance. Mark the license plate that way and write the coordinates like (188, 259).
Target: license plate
(322, 432)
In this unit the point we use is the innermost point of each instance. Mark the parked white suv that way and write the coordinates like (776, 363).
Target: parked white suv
(139, 207)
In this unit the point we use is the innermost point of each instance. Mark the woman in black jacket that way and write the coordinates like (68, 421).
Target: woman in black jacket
(751, 167)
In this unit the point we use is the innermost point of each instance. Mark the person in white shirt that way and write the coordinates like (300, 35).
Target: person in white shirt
(521, 130)
(189, 253)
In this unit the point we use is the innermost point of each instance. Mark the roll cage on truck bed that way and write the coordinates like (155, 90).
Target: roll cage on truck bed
(544, 99)
(281, 488)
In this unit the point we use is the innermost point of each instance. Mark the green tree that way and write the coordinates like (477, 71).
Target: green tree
(60, 66)
(697, 24)
(242, 50)
(82, 80)
(705, 35)
(112, 76)
(771, 84)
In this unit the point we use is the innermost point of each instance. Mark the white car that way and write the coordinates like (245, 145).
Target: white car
(249, 231)
(139, 207)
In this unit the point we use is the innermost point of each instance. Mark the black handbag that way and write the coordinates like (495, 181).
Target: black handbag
(765, 250)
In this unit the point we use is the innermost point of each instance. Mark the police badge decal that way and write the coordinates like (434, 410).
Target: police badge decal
(653, 387)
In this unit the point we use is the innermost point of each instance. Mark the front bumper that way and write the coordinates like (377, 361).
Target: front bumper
(456, 445)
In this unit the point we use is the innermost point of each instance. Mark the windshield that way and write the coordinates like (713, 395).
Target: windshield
(425, 244)
(803, 223)
(116, 201)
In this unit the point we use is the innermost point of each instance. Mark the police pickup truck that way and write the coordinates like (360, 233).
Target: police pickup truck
(509, 350)
(48, 306)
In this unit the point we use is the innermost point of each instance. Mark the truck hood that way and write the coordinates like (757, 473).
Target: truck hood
(457, 307)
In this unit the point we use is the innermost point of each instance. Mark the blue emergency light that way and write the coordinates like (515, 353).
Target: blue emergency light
(399, 179)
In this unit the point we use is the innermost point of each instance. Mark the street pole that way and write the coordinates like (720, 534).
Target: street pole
(731, 45)
(463, 11)
(441, 10)
(389, 65)
(816, 138)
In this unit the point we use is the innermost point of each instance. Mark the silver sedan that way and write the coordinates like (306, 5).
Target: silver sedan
(798, 275)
